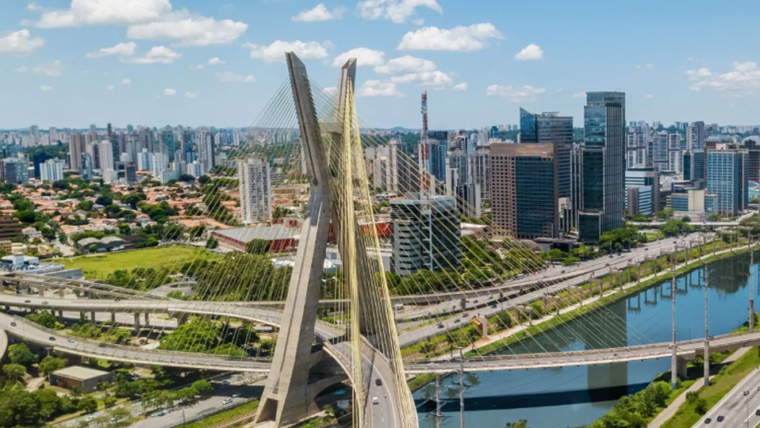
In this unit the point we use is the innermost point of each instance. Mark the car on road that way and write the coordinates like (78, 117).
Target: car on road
(226, 401)
(376, 400)
(757, 412)
(457, 321)
(708, 420)
(227, 382)
(440, 325)
(29, 301)
(746, 393)
(720, 418)
(235, 395)
(436, 365)
(378, 382)
(71, 340)
(13, 324)
(53, 338)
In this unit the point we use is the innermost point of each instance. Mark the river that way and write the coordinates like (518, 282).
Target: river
(577, 396)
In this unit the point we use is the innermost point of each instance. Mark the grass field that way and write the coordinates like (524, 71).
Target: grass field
(729, 376)
(225, 416)
(98, 266)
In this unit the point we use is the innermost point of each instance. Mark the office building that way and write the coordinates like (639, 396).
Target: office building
(158, 163)
(644, 177)
(551, 128)
(38, 159)
(426, 234)
(34, 131)
(603, 175)
(727, 178)
(130, 173)
(753, 160)
(693, 201)
(694, 166)
(52, 170)
(206, 151)
(382, 166)
(15, 171)
(695, 136)
(639, 200)
(438, 150)
(525, 190)
(10, 228)
(255, 190)
(167, 141)
(194, 168)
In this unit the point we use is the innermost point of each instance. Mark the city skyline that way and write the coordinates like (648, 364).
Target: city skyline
(63, 62)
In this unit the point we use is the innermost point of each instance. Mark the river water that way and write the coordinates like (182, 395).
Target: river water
(577, 396)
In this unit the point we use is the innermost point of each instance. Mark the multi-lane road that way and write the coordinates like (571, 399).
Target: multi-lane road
(737, 409)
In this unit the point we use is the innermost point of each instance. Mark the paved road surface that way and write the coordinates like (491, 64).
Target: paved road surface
(735, 406)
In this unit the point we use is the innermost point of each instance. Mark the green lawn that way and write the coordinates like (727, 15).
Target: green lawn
(98, 266)
(729, 376)
(225, 416)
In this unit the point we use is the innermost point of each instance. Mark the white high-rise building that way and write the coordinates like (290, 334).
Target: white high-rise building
(144, 160)
(105, 149)
(158, 163)
(52, 170)
(194, 168)
(53, 135)
(382, 163)
(34, 131)
(255, 190)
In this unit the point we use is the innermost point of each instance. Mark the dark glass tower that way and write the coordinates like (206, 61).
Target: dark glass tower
(603, 171)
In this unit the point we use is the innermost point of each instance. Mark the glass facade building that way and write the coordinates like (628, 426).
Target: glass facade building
(551, 128)
(727, 179)
(603, 201)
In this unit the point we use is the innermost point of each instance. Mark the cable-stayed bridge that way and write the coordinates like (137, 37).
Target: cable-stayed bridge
(315, 135)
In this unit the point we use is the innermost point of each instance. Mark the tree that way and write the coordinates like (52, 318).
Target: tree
(61, 185)
(109, 401)
(93, 248)
(427, 348)
(104, 200)
(50, 364)
(20, 354)
(203, 179)
(701, 406)
(203, 387)
(77, 392)
(211, 243)
(86, 205)
(87, 404)
(522, 423)
(686, 219)
(257, 246)
(187, 178)
(15, 372)
(675, 228)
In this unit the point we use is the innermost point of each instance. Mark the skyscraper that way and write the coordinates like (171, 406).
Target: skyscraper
(695, 136)
(15, 171)
(727, 178)
(38, 159)
(525, 189)
(603, 171)
(206, 151)
(51, 170)
(34, 131)
(438, 151)
(551, 128)
(76, 148)
(106, 156)
(87, 166)
(255, 190)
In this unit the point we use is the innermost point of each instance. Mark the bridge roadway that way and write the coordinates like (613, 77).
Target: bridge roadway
(34, 333)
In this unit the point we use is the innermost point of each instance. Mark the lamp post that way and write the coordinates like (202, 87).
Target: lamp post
(707, 330)
(674, 362)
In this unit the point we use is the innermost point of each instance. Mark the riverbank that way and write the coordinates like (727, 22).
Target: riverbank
(570, 306)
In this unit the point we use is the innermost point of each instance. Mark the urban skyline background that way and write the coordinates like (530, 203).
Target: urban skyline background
(60, 67)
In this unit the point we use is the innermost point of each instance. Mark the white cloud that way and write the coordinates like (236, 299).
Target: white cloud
(275, 52)
(515, 93)
(229, 77)
(743, 80)
(579, 95)
(46, 88)
(216, 61)
(19, 42)
(191, 94)
(196, 67)
(649, 96)
(437, 79)
(319, 13)
(122, 49)
(365, 57)
(644, 66)
(53, 69)
(460, 87)
(558, 90)
(530, 53)
(376, 88)
(397, 11)
(169, 92)
(330, 90)
(459, 39)
(190, 30)
(105, 12)
(109, 88)
(406, 64)
(126, 81)
(146, 19)
(156, 55)
(33, 6)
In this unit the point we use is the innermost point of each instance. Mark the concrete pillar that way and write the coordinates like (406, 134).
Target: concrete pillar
(147, 319)
(7, 309)
(113, 317)
(41, 291)
(92, 316)
(60, 315)
(463, 305)
(681, 365)
(137, 321)
(60, 292)
(638, 276)
(181, 319)
(78, 293)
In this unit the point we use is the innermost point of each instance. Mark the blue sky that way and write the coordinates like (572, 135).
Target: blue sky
(70, 63)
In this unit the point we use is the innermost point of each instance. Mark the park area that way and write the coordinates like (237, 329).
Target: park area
(100, 266)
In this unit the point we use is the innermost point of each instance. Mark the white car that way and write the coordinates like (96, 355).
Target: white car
(226, 401)
(375, 400)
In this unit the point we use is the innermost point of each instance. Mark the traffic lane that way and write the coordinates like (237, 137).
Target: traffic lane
(739, 408)
(732, 406)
